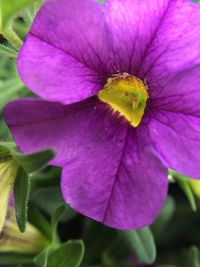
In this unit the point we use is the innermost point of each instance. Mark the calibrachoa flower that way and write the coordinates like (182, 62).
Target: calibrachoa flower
(121, 89)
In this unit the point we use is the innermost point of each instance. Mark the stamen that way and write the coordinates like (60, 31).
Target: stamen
(127, 95)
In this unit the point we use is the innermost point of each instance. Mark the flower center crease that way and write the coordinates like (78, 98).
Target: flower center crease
(126, 94)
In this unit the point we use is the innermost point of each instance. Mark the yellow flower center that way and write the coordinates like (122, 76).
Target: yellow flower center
(127, 95)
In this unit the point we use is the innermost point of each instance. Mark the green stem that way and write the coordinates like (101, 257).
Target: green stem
(12, 38)
(189, 194)
(184, 184)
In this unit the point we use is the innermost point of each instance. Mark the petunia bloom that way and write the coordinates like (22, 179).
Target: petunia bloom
(120, 84)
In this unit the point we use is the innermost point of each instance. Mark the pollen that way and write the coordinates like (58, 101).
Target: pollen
(126, 94)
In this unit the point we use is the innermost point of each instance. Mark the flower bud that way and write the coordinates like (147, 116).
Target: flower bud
(8, 172)
(12, 240)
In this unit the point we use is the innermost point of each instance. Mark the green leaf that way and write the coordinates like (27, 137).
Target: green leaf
(141, 243)
(11, 89)
(42, 197)
(185, 186)
(33, 162)
(5, 148)
(46, 178)
(54, 222)
(109, 261)
(7, 51)
(163, 218)
(189, 258)
(10, 9)
(15, 258)
(116, 255)
(37, 219)
(194, 257)
(104, 239)
(69, 254)
(41, 259)
(189, 194)
(21, 193)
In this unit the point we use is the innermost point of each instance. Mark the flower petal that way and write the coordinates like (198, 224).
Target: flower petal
(127, 197)
(133, 25)
(171, 67)
(177, 139)
(53, 75)
(110, 173)
(67, 51)
(40, 124)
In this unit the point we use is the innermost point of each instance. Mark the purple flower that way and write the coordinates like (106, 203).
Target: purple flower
(84, 58)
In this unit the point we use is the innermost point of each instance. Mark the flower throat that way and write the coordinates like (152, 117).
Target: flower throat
(127, 95)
